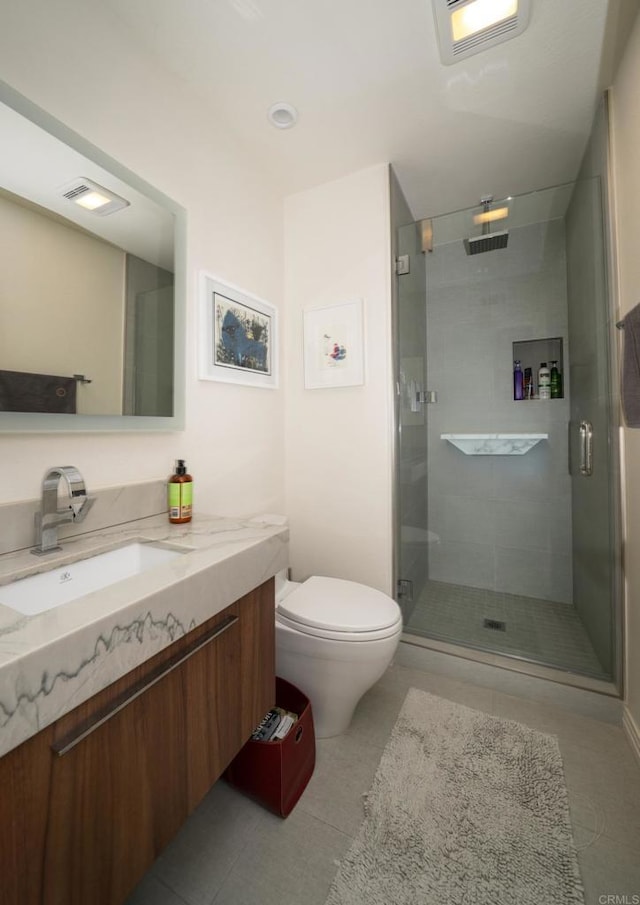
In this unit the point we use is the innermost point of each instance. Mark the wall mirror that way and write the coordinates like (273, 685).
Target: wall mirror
(92, 285)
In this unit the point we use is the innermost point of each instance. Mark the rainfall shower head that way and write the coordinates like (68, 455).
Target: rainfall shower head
(487, 242)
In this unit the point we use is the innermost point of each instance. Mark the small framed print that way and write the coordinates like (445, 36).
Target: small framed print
(334, 346)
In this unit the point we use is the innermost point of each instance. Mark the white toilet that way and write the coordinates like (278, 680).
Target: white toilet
(334, 640)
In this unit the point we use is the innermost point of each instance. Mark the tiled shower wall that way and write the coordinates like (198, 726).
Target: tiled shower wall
(498, 522)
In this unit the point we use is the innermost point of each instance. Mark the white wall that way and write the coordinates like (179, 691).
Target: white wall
(339, 441)
(60, 289)
(626, 173)
(75, 60)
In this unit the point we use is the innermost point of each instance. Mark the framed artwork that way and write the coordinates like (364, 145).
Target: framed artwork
(238, 335)
(334, 346)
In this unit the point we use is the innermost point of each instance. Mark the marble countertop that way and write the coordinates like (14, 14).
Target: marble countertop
(53, 661)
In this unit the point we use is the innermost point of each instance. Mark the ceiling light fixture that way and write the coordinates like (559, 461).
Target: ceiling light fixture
(282, 116)
(93, 197)
(466, 27)
(480, 14)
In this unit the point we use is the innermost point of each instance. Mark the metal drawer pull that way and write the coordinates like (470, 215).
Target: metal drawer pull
(65, 745)
(586, 448)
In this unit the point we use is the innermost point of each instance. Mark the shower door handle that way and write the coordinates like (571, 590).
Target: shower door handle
(586, 448)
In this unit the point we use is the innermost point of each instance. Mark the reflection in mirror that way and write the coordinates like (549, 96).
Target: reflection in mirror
(88, 316)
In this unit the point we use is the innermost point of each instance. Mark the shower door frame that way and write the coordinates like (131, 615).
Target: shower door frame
(615, 408)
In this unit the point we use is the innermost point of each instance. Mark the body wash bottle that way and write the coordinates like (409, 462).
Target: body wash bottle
(544, 381)
(180, 494)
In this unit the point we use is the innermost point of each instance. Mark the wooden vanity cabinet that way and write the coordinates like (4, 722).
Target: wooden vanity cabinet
(88, 803)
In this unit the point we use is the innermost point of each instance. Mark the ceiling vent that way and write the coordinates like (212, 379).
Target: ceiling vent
(466, 27)
(93, 197)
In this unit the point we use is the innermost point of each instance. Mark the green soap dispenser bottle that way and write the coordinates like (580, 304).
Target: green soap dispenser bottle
(180, 494)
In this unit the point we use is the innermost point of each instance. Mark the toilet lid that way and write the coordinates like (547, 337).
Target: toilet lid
(336, 605)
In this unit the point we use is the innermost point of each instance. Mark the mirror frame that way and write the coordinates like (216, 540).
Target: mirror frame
(31, 422)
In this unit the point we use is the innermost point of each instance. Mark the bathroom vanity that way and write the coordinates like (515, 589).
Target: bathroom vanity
(121, 708)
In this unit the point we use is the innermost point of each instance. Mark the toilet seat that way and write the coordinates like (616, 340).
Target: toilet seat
(340, 610)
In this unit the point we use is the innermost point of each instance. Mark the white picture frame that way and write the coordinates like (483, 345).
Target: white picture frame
(334, 346)
(237, 335)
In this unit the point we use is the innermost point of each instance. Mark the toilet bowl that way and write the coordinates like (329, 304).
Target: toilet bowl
(334, 640)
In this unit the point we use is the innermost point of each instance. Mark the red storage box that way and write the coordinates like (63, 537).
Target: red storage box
(276, 773)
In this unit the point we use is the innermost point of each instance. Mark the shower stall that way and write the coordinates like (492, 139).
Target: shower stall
(507, 508)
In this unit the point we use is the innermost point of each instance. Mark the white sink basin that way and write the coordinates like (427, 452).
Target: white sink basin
(47, 590)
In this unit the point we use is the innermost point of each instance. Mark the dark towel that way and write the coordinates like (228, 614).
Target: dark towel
(21, 391)
(631, 368)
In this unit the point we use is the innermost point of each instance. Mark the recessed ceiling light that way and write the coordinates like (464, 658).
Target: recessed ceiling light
(480, 14)
(282, 116)
(466, 27)
(91, 200)
(93, 197)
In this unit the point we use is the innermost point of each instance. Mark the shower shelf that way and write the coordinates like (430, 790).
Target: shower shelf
(494, 444)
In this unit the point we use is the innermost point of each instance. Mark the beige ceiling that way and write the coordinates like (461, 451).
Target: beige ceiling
(367, 80)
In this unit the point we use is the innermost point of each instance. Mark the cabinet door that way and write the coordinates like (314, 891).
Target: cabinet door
(117, 797)
(88, 803)
(229, 687)
(24, 803)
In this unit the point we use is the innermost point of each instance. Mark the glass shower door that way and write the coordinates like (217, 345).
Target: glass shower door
(592, 460)
(411, 374)
(509, 553)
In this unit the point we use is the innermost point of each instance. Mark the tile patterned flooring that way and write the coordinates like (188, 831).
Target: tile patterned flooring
(233, 852)
(541, 630)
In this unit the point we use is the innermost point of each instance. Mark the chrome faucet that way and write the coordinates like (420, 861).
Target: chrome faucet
(50, 517)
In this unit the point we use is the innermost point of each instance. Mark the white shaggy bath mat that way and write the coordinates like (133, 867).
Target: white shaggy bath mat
(465, 809)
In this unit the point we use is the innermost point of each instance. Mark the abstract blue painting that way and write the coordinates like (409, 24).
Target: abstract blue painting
(241, 336)
(238, 336)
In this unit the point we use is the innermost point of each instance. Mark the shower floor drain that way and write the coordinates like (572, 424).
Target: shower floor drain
(496, 624)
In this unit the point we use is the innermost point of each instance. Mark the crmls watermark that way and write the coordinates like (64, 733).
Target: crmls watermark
(619, 900)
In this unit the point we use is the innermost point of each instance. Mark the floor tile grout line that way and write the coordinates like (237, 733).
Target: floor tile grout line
(233, 863)
(231, 867)
(327, 823)
(172, 890)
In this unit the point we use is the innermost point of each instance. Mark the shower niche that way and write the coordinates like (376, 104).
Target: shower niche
(531, 353)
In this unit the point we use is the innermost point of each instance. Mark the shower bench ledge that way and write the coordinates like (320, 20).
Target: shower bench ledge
(494, 444)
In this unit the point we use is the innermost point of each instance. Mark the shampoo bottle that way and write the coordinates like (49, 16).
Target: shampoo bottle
(518, 387)
(544, 381)
(180, 493)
